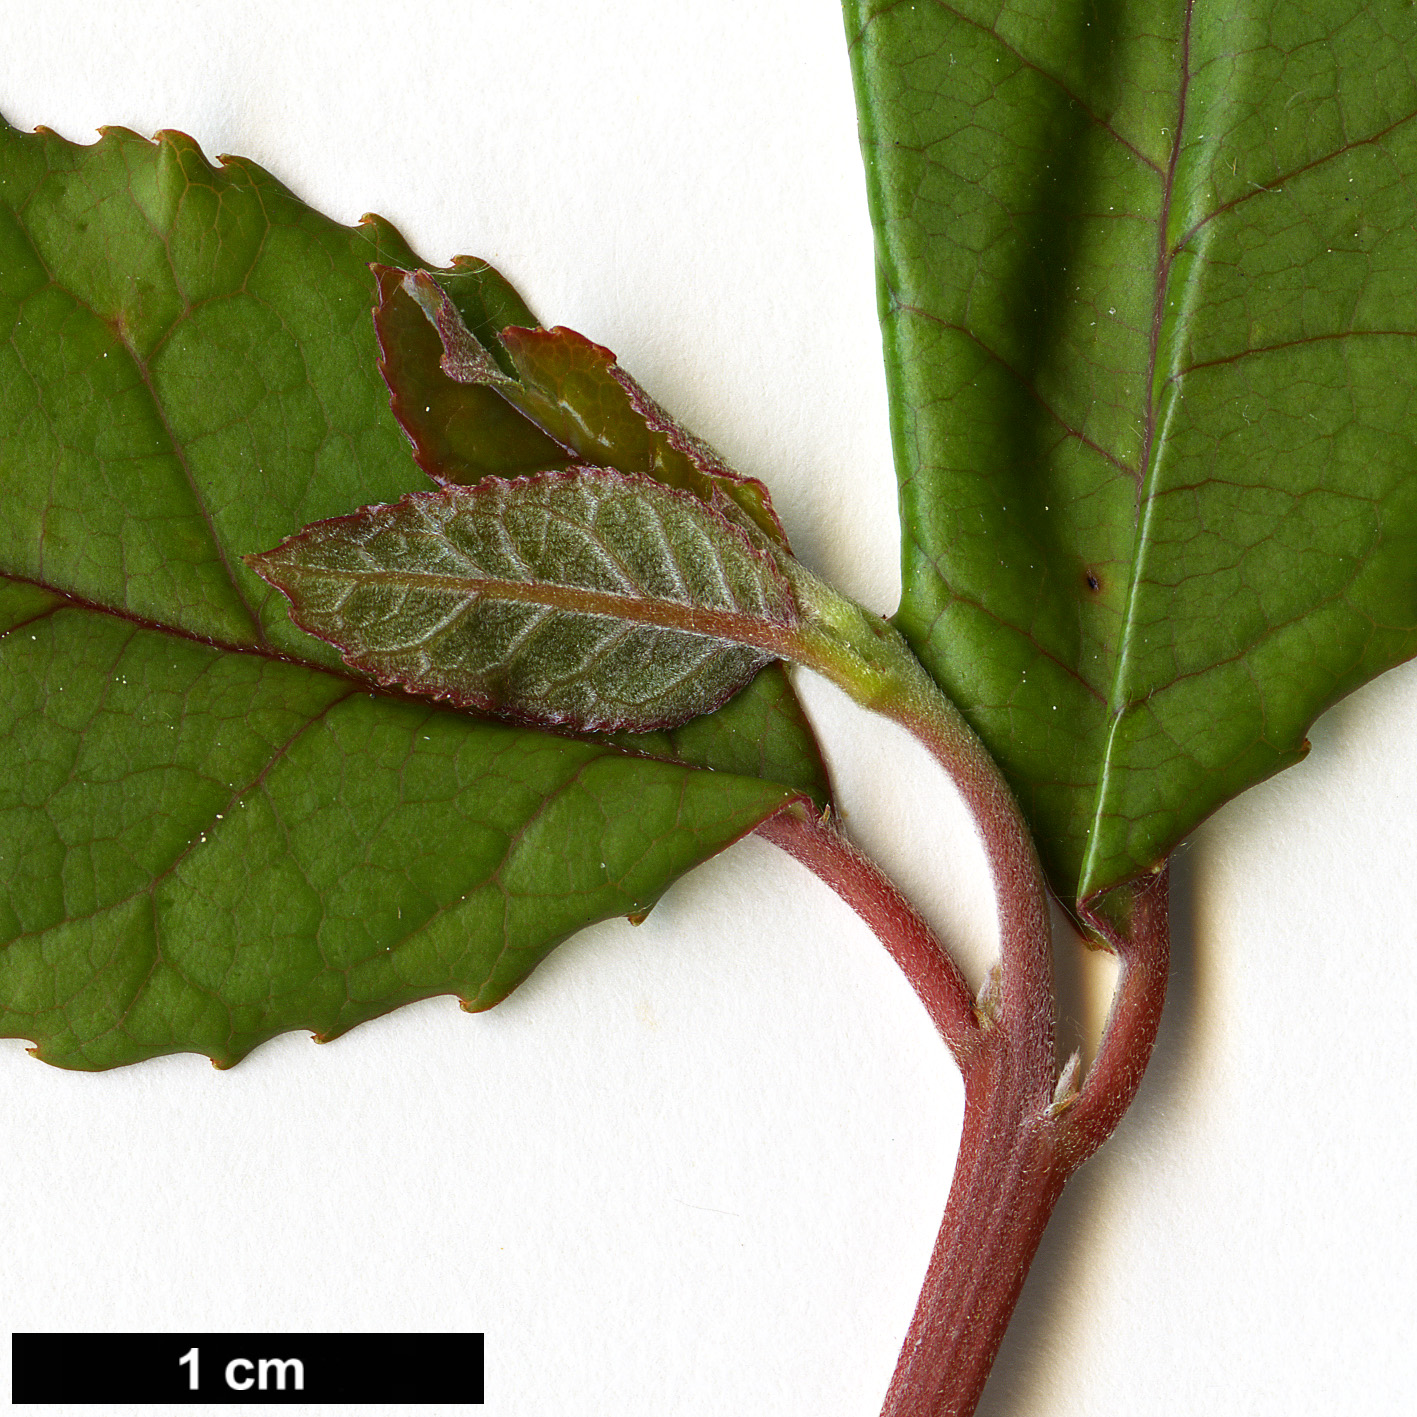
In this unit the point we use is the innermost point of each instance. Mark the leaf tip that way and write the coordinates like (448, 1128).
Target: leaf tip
(261, 562)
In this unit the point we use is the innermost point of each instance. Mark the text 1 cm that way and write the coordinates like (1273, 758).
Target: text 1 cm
(242, 1374)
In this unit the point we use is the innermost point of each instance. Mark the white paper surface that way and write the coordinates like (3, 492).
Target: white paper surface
(697, 1167)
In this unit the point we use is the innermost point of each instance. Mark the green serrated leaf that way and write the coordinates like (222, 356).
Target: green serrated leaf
(212, 831)
(203, 849)
(585, 597)
(1145, 280)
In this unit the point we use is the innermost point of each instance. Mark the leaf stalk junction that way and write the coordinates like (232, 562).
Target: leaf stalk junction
(1026, 1127)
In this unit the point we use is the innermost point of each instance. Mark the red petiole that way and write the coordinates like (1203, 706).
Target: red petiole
(1025, 1130)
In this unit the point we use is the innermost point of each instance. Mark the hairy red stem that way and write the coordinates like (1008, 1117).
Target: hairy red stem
(1025, 1132)
(935, 977)
(1006, 1183)
(1144, 948)
(1019, 1145)
(1025, 925)
(1014, 1161)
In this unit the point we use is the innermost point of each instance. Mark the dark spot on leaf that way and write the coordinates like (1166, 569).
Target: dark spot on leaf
(1093, 581)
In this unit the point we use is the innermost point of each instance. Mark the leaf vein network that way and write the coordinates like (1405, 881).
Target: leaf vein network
(149, 888)
(1280, 345)
(1035, 67)
(1025, 383)
(1273, 186)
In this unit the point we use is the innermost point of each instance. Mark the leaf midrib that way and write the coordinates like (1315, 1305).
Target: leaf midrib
(72, 600)
(141, 365)
(1155, 438)
(737, 626)
(1145, 505)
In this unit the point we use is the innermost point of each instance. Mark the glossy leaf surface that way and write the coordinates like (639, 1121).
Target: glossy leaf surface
(210, 830)
(575, 402)
(461, 432)
(584, 597)
(1146, 279)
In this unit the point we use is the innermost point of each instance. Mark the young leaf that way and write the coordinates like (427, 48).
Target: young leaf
(461, 432)
(453, 393)
(187, 371)
(1143, 277)
(584, 597)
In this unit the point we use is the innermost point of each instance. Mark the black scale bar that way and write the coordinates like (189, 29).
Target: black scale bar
(348, 1368)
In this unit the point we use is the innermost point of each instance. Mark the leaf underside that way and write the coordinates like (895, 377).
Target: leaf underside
(213, 830)
(1146, 283)
(585, 597)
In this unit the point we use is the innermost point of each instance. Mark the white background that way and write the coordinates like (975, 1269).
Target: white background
(696, 1168)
